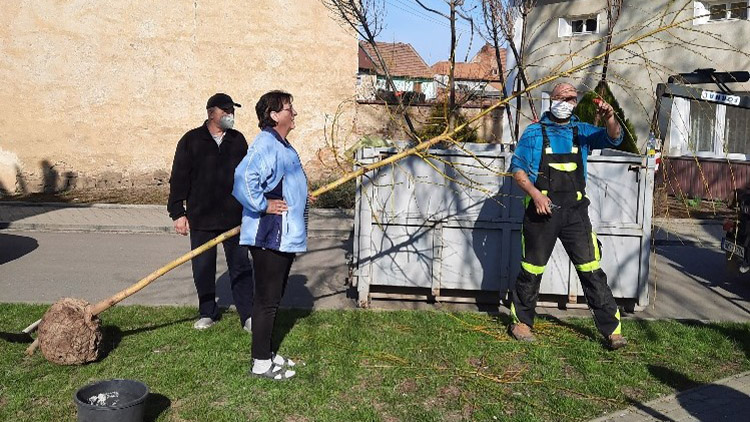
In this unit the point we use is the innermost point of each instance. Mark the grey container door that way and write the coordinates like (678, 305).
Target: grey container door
(615, 187)
(402, 256)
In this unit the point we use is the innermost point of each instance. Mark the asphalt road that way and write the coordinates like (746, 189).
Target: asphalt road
(687, 281)
(42, 267)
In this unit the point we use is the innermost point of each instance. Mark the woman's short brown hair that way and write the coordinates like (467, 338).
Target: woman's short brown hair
(271, 101)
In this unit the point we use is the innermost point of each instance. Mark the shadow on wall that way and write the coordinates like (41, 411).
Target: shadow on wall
(50, 183)
(51, 188)
(51, 179)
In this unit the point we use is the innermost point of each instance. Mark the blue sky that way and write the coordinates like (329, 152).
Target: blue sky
(428, 33)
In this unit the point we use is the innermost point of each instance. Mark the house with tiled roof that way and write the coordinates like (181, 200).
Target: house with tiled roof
(409, 72)
(479, 77)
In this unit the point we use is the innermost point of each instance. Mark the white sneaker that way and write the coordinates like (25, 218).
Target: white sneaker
(204, 323)
(248, 325)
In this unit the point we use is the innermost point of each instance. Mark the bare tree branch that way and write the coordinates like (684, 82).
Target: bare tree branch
(437, 12)
(614, 7)
(492, 11)
(366, 18)
(454, 6)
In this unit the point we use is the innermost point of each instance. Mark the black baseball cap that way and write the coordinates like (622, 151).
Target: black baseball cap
(221, 100)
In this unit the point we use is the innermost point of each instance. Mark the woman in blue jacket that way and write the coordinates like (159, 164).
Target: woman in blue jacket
(272, 188)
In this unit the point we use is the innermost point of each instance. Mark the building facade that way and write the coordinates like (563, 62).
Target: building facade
(102, 91)
(702, 34)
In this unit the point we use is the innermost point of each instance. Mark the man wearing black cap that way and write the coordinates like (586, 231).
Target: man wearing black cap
(201, 203)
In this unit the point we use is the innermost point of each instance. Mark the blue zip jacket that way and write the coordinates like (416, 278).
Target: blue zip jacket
(528, 152)
(272, 170)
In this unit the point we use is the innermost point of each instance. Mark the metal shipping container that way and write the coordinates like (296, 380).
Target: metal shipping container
(450, 219)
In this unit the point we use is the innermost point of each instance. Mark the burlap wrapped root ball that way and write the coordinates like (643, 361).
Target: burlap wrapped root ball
(69, 334)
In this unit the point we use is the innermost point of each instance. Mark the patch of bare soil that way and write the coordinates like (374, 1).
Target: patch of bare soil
(153, 195)
(407, 386)
(669, 206)
(633, 393)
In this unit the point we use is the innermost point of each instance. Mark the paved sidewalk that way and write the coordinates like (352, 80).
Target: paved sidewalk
(724, 400)
(143, 219)
(114, 218)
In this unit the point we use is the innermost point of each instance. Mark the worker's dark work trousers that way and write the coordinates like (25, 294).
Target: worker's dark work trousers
(271, 275)
(204, 275)
(571, 224)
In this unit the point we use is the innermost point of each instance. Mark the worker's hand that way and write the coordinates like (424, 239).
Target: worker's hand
(181, 226)
(276, 206)
(542, 204)
(603, 109)
(606, 112)
(311, 199)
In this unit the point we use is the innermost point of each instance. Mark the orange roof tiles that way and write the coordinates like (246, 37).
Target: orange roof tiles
(482, 67)
(401, 59)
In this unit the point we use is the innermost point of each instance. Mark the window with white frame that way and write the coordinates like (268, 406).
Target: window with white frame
(719, 11)
(726, 11)
(545, 101)
(737, 131)
(578, 25)
(709, 129)
(702, 127)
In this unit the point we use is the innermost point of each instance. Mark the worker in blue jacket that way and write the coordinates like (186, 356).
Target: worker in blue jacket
(272, 188)
(549, 164)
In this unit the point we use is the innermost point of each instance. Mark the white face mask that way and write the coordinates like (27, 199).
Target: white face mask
(561, 109)
(226, 122)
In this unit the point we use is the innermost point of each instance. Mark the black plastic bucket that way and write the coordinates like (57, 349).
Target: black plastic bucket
(116, 400)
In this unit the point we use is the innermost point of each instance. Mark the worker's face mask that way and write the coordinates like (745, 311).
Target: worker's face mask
(561, 109)
(226, 122)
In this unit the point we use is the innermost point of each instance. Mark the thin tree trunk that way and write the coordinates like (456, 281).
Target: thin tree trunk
(494, 13)
(610, 27)
(522, 65)
(451, 73)
(518, 108)
(389, 81)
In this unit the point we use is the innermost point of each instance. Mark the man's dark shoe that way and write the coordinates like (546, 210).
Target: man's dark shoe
(521, 332)
(616, 341)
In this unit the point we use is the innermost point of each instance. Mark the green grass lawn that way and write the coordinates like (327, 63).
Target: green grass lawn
(372, 366)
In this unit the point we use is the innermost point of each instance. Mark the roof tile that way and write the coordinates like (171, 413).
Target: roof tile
(401, 58)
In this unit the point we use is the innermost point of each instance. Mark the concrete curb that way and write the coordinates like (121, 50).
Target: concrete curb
(342, 212)
(667, 222)
(168, 230)
(84, 228)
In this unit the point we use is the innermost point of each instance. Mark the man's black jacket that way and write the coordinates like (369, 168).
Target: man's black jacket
(203, 176)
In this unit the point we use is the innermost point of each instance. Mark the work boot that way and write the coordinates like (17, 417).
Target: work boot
(616, 341)
(521, 332)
